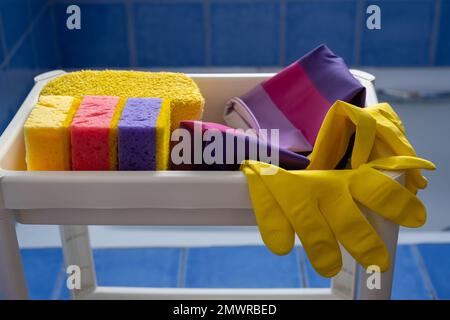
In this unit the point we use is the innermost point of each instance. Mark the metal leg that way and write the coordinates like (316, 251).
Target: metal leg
(12, 278)
(77, 251)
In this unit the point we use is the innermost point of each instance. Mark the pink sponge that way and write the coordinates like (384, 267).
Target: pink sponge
(93, 136)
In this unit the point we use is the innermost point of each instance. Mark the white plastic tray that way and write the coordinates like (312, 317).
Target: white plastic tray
(24, 190)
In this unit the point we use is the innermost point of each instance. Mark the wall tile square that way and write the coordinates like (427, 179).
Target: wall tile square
(137, 267)
(245, 33)
(42, 267)
(443, 48)
(311, 23)
(36, 5)
(408, 280)
(241, 267)
(14, 87)
(23, 58)
(16, 19)
(44, 42)
(405, 34)
(436, 258)
(2, 40)
(169, 34)
(102, 40)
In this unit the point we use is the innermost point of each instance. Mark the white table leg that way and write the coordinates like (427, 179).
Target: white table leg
(345, 282)
(12, 278)
(77, 251)
(388, 231)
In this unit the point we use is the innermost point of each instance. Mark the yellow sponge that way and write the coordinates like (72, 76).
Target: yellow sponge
(186, 100)
(47, 137)
(163, 136)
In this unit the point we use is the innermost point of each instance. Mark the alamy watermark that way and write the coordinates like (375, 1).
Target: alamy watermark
(73, 277)
(232, 146)
(73, 21)
(373, 21)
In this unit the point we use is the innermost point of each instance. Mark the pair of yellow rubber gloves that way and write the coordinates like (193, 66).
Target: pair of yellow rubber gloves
(320, 204)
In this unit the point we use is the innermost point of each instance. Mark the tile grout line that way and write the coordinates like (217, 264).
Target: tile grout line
(435, 33)
(424, 272)
(132, 55)
(56, 44)
(182, 268)
(32, 38)
(22, 39)
(207, 32)
(359, 22)
(282, 33)
(2, 40)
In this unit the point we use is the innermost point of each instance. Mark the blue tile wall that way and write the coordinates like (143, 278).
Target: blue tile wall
(137, 267)
(35, 6)
(16, 19)
(240, 267)
(14, 87)
(102, 39)
(190, 33)
(23, 57)
(17, 53)
(405, 35)
(44, 42)
(311, 23)
(443, 48)
(409, 281)
(245, 33)
(2, 41)
(421, 271)
(169, 34)
(436, 260)
(42, 268)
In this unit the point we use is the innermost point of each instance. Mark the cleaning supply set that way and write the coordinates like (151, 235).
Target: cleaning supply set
(122, 120)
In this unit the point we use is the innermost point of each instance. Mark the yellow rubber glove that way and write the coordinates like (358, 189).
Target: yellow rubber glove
(379, 133)
(319, 206)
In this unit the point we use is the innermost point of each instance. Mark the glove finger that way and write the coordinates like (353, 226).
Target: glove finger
(329, 148)
(354, 232)
(390, 129)
(401, 163)
(312, 229)
(365, 133)
(387, 198)
(414, 178)
(317, 238)
(275, 229)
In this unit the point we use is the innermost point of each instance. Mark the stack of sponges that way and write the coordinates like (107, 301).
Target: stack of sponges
(47, 136)
(186, 100)
(100, 133)
(117, 125)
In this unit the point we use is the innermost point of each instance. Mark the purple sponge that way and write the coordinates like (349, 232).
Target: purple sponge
(142, 134)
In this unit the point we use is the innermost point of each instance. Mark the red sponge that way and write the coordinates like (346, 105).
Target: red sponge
(92, 132)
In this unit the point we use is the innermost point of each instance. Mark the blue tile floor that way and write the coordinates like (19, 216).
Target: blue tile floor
(422, 271)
